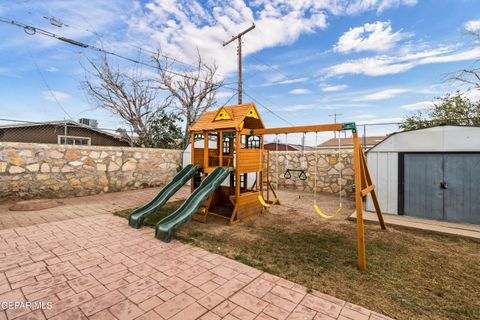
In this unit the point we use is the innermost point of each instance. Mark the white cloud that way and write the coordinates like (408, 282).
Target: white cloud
(55, 95)
(224, 94)
(377, 36)
(297, 107)
(418, 105)
(384, 65)
(473, 95)
(299, 91)
(357, 6)
(290, 81)
(334, 88)
(382, 120)
(259, 67)
(180, 29)
(472, 26)
(381, 95)
(365, 116)
(51, 69)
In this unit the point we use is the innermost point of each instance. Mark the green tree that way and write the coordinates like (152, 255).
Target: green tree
(450, 110)
(163, 132)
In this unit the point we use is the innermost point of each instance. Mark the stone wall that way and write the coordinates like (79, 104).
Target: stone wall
(329, 166)
(55, 171)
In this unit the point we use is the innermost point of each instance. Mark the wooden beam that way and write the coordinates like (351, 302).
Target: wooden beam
(373, 194)
(220, 149)
(315, 128)
(261, 165)
(237, 162)
(362, 260)
(205, 151)
(367, 190)
(192, 150)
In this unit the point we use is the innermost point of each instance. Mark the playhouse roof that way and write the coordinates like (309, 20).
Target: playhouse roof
(230, 117)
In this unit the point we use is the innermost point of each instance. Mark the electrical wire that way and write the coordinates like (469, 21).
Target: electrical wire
(48, 87)
(31, 30)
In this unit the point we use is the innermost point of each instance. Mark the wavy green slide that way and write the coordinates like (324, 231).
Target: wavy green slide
(136, 218)
(167, 226)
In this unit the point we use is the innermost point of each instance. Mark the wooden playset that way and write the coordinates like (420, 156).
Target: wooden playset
(233, 136)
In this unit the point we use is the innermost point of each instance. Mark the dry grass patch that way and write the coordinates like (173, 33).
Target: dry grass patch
(411, 274)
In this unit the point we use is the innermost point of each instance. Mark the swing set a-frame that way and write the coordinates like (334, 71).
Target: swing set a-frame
(239, 135)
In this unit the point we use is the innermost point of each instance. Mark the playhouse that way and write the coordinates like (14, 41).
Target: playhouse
(243, 152)
(227, 147)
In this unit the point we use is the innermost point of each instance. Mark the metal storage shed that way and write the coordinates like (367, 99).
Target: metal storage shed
(429, 173)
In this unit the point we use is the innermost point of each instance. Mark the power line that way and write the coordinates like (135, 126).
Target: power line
(48, 87)
(31, 30)
(268, 109)
(60, 23)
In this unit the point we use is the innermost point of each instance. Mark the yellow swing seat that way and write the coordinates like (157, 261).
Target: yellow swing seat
(323, 215)
(263, 202)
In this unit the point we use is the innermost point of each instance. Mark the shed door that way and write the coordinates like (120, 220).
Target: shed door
(442, 186)
(422, 176)
(462, 196)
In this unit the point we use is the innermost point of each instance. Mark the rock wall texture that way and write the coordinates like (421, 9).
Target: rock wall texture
(329, 166)
(30, 171)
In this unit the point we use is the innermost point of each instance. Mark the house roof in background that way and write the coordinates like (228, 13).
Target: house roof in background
(344, 142)
(59, 123)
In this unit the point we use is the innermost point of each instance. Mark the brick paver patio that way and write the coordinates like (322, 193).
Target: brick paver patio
(82, 207)
(96, 267)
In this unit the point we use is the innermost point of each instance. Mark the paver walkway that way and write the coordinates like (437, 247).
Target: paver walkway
(446, 227)
(82, 207)
(97, 267)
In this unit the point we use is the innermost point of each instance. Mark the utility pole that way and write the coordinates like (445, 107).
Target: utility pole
(335, 121)
(239, 54)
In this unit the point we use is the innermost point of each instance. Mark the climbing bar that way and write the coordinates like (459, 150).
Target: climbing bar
(301, 129)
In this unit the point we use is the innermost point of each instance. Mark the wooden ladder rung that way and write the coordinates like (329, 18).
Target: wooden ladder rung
(367, 190)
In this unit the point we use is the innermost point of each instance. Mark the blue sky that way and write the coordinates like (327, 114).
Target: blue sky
(369, 60)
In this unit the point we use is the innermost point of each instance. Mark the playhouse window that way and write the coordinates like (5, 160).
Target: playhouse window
(253, 142)
(226, 146)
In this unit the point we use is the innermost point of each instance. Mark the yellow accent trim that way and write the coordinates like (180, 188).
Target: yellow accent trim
(222, 115)
(240, 126)
(264, 204)
(323, 215)
(252, 113)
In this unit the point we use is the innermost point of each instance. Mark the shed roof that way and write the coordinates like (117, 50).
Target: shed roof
(448, 138)
(230, 117)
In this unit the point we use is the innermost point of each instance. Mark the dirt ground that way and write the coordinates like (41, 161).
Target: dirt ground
(411, 274)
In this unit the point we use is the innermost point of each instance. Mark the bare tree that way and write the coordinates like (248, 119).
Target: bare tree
(193, 92)
(129, 95)
(469, 77)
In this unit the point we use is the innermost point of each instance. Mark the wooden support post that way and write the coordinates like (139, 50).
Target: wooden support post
(373, 193)
(261, 165)
(362, 260)
(220, 149)
(205, 151)
(268, 176)
(192, 159)
(237, 162)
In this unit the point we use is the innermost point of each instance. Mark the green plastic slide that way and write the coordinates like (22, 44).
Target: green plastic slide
(136, 218)
(167, 226)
